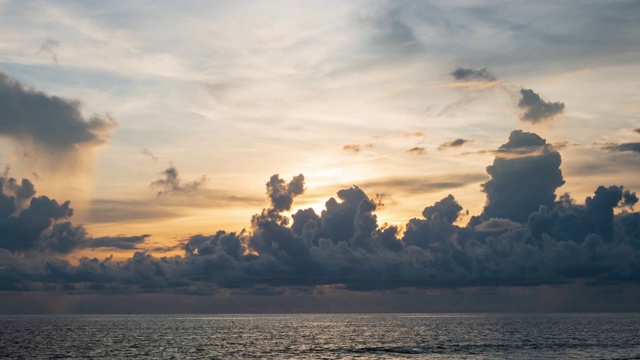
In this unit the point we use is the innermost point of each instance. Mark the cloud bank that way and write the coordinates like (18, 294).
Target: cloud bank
(630, 147)
(525, 236)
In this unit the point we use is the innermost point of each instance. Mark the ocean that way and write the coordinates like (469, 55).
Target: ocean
(322, 336)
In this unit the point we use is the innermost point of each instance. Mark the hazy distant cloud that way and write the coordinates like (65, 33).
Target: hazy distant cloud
(631, 147)
(109, 210)
(465, 74)
(165, 207)
(497, 225)
(416, 185)
(418, 150)
(50, 47)
(171, 183)
(414, 134)
(148, 153)
(453, 144)
(355, 147)
(536, 109)
(116, 242)
(392, 33)
(406, 135)
(636, 131)
(28, 115)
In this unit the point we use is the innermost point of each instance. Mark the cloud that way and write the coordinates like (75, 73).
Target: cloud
(418, 150)
(282, 194)
(148, 153)
(631, 147)
(536, 109)
(636, 131)
(50, 47)
(164, 207)
(447, 210)
(452, 144)
(30, 224)
(392, 34)
(171, 183)
(115, 242)
(520, 185)
(414, 134)
(465, 74)
(355, 147)
(421, 185)
(48, 122)
(540, 239)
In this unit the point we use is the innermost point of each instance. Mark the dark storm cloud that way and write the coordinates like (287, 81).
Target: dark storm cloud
(49, 122)
(171, 183)
(418, 150)
(524, 176)
(630, 147)
(465, 74)
(453, 144)
(536, 109)
(538, 240)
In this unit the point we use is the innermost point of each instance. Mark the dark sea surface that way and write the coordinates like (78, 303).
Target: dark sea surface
(330, 336)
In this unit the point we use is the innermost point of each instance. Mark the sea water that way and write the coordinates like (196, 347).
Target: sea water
(324, 336)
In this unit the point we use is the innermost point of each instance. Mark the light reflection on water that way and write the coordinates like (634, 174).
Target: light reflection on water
(327, 336)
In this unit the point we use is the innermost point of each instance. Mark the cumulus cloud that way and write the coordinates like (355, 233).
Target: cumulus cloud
(453, 144)
(536, 109)
(447, 210)
(465, 74)
(282, 194)
(171, 183)
(524, 176)
(30, 224)
(48, 122)
(538, 239)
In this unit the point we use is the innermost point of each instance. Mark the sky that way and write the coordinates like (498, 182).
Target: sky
(319, 156)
